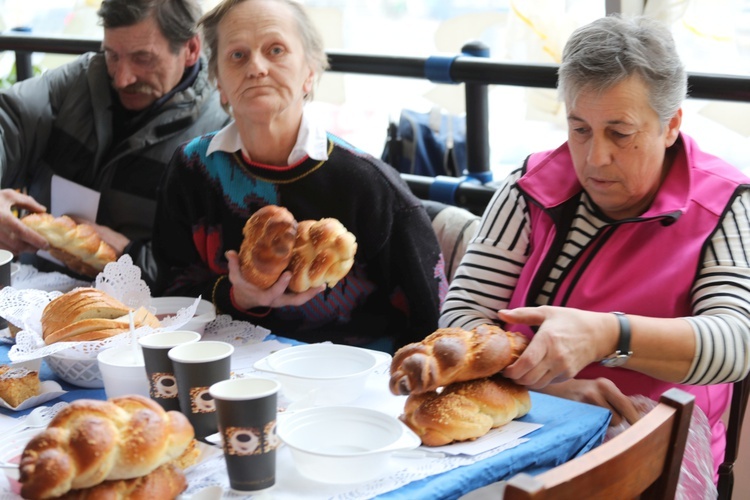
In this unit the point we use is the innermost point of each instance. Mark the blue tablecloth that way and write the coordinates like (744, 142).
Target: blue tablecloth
(570, 429)
(45, 373)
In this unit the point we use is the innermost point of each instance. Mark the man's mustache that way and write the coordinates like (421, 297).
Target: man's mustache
(136, 88)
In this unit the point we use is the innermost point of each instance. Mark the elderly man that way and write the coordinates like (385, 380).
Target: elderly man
(108, 121)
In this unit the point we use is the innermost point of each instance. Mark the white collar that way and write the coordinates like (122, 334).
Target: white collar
(312, 141)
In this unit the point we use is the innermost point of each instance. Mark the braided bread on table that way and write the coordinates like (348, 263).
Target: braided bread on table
(453, 355)
(465, 411)
(165, 483)
(78, 246)
(90, 441)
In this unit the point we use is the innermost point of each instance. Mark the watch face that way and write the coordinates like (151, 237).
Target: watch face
(614, 361)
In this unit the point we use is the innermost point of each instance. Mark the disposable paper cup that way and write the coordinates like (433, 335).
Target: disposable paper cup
(159, 369)
(123, 371)
(6, 262)
(197, 366)
(246, 413)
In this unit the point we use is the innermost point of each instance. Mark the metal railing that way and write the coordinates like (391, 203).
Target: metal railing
(472, 67)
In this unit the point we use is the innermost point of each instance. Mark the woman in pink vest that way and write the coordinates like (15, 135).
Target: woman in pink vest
(625, 253)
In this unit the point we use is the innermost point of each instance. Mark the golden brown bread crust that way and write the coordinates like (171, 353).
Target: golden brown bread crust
(465, 410)
(323, 254)
(86, 314)
(165, 483)
(93, 329)
(78, 246)
(268, 239)
(316, 252)
(17, 384)
(13, 330)
(189, 457)
(453, 355)
(79, 304)
(91, 441)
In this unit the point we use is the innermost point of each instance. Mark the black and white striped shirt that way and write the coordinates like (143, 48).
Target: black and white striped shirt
(489, 271)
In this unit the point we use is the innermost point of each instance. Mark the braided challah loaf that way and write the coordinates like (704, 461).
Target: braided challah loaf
(91, 441)
(78, 246)
(165, 483)
(316, 252)
(268, 238)
(453, 355)
(323, 254)
(465, 410)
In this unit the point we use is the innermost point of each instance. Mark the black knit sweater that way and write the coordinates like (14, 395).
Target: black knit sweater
(394, 287)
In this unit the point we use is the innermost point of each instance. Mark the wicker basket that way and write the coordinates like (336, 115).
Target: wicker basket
(80, 372)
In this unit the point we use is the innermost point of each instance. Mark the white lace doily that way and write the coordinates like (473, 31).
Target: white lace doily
(291, 485)
(121, 280)
(402, 471)
(237, 333)
(29, 277)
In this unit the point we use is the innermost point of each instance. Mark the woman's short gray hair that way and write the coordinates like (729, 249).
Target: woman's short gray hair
(312, 41)
(613, 48)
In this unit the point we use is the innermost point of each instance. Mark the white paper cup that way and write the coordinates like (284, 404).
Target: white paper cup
(167, 340)
(6, 262)
(123, 371)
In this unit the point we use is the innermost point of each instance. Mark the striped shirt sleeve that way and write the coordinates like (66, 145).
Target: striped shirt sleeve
(489, 270)
(721, 302)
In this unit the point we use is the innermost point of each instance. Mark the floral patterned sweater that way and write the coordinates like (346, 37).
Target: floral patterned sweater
(395, 287)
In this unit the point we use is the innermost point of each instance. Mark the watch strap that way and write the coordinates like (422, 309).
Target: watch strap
(623, 344)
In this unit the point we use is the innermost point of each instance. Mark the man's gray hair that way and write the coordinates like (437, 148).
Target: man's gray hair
(312, 41)
(177, 19)
(611, 49)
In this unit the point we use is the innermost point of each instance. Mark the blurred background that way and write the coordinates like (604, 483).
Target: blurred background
(713, 36)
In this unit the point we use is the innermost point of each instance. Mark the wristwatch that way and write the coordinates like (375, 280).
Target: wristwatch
(623, 352)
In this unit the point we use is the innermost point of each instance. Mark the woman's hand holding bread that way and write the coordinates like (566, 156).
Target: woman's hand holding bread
(452, 377)
(247, 295)
(282, 262)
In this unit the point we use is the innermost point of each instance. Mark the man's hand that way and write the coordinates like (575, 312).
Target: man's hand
(600, 392)
(14, 235)
(247, 296)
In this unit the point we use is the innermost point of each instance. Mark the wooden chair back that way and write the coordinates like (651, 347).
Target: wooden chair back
(644, 460)
(740, 394)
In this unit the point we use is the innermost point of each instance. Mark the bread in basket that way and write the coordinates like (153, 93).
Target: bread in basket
(87, 314)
